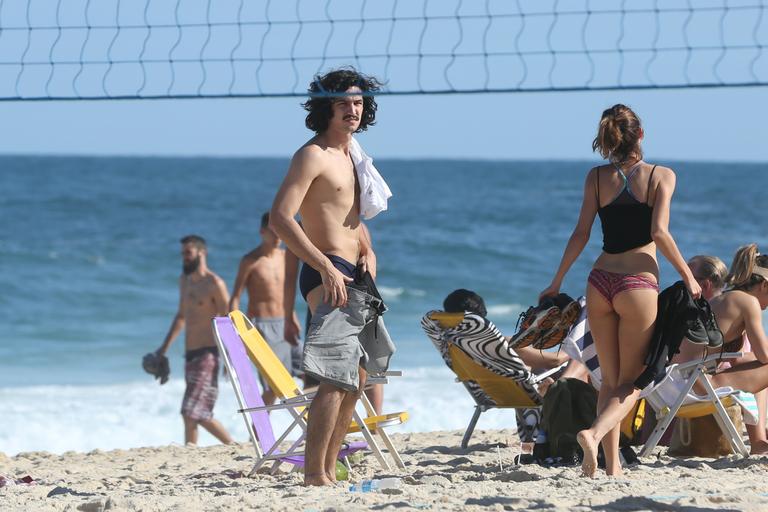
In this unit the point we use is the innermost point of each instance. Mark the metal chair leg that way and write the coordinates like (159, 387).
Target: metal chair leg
(479, 409)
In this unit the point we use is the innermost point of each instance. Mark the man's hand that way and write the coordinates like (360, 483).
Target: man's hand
(550, 291)
(334, 286)
(292, 330)
(544, 385)
(368, 261)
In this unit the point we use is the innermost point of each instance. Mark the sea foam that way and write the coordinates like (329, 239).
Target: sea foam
(142, 413)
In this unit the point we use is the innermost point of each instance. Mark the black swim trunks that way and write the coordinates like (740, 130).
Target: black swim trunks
(309, 279)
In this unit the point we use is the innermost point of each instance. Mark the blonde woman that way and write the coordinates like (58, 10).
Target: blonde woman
(632, 199)
(738, 311)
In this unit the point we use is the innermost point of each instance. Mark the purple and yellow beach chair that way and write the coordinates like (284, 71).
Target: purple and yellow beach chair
(295, 402)
(252, 408)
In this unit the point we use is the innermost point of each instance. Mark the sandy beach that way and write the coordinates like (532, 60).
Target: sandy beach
(439, 475)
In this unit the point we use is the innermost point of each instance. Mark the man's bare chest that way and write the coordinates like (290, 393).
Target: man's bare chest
(338, 187)
(197, 296)
(266, 272)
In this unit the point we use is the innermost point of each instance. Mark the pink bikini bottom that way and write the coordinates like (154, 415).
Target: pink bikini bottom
(610, 284)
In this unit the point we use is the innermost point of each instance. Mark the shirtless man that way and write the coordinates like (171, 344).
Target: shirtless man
(321, 185)
(262, 272)
(374, 392)
(203, 295)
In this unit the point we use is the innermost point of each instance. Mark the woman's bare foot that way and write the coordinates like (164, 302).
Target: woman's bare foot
(615, 472)
(588, 445)
(759, 448)
(316, 479)
(331, 476)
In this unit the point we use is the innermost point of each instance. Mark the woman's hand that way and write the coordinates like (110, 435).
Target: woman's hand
(693, 287)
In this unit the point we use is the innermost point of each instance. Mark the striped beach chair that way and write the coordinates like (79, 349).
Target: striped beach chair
(476, 351)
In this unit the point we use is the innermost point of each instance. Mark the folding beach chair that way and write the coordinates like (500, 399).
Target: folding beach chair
(673, 398)
(495, 377)
(246, 387)
(294, 401)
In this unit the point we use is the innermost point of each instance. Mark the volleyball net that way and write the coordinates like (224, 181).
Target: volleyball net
(132, 49)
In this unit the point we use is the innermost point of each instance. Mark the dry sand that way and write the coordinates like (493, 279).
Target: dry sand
(438, 476)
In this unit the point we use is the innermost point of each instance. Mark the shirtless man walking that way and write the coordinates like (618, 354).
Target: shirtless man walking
(262, 274)
(322, 186)
(203, 295)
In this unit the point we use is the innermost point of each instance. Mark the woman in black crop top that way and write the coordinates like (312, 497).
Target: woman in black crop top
(632, 199)
(738, 311)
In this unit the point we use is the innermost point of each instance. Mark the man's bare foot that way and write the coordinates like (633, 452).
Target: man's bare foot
(588, 445)
(759, 448)
(331, 476)
(316, 479)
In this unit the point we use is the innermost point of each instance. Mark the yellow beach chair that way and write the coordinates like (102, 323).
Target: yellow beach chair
(495, 380)
(672, 398)
(293, 400)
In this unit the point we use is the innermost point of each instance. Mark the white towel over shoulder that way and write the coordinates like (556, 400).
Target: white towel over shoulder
(374, 191)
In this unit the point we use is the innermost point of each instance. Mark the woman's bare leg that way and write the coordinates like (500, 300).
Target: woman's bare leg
(636, 311)
(758, 444)
(603, 325)
(751, 376)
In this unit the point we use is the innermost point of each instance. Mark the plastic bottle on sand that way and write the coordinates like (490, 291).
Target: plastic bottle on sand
(375, 485)
(341, 471)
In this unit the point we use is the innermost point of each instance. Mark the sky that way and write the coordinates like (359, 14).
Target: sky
(719, 124)
(700, 125)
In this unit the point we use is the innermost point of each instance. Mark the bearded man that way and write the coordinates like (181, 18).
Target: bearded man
(203, 295)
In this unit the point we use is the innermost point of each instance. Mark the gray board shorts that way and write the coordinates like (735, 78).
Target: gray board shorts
(340, 340)
(272, 330)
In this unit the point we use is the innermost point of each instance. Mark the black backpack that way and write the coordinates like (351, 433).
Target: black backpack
(570, 406)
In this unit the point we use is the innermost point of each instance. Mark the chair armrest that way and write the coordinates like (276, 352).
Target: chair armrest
(382, 378)
(543, 375)
(709, 359)
(276, 407)
(299, 399)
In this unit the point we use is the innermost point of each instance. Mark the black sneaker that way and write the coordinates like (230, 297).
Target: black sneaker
(714, 334)
(696, 332)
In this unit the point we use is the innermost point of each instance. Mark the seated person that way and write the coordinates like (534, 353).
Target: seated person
(462, 300)
(466, 300)
(738, 311)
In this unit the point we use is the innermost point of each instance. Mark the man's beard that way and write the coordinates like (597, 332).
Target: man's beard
(190, 266)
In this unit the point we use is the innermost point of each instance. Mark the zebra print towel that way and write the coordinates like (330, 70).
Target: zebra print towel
(482, 341)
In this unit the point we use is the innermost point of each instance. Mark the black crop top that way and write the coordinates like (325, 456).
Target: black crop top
(626, 222)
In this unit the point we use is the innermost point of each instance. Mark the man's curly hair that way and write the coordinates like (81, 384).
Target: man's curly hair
(320, 106)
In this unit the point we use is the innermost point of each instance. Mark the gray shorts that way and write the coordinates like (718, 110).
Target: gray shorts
(297, 355)
(272, 330)
(340, 340)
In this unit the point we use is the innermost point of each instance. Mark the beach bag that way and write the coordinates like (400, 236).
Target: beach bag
(570, 406)
(702, 437)
(632, 425)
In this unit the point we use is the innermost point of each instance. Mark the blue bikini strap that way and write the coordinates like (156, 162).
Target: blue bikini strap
(626, 179)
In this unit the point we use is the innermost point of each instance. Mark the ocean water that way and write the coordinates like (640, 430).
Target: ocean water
(89, 265)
